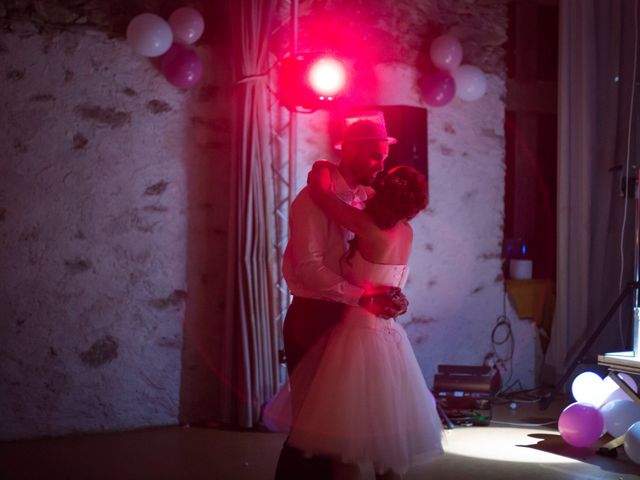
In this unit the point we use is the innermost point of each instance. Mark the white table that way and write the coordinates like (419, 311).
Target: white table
(620, 362)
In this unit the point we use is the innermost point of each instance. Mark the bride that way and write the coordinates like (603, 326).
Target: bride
(364, 399)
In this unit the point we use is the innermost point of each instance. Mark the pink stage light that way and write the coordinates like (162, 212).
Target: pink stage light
(311, 81)
(327, 76)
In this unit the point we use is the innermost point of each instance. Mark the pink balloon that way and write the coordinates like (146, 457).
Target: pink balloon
(437, 88)
(182, 66)
(446, 52)
(187, 25)
(580, 424)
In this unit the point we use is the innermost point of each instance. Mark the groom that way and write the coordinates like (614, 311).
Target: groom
(311, 268)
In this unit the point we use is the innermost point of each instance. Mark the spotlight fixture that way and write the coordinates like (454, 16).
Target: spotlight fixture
(311, 81)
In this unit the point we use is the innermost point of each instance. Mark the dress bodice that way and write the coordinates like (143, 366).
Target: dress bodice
(362, 272)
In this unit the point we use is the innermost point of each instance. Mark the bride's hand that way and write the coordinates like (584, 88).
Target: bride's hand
(319, 177)
(385, 302)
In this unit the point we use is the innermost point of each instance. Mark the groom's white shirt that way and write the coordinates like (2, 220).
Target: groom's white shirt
(311, 263)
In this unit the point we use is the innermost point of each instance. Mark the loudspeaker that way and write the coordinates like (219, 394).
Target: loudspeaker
(409, 125)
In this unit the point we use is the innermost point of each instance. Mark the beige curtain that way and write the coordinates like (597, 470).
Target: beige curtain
(249, 359)
(595, 84)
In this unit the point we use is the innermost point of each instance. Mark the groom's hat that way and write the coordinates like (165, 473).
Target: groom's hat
(367, 126)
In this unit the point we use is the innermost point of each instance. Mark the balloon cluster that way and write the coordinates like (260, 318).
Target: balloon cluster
(601, 407)
(151, 36)
(467, 82)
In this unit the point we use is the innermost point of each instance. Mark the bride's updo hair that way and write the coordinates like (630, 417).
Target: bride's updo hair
(400, 195)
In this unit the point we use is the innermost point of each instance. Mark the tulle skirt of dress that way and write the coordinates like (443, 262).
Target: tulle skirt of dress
(360, 397)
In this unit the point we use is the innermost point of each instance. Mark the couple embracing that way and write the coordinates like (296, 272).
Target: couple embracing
(356, 390)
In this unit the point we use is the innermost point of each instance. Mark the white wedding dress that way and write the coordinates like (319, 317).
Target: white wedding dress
(360, 395)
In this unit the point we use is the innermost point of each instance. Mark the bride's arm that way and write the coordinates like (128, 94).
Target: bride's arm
(349, 217)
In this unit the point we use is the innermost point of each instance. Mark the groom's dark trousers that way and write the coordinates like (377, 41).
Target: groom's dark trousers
(306, 321)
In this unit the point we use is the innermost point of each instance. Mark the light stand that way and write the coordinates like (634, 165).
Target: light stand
(636, 273)
(634, 355)
(618, 361)
(628, 362)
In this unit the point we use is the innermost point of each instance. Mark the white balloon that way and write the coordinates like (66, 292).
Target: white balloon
(471, 82)
(632, 442)
(609, 387)
(613, 392)
(619, 415)
(604, 427)
(149, 35)
(446, 52)
(187, 25)
(587, 387)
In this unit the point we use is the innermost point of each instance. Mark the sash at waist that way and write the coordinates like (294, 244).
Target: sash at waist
(359, 317)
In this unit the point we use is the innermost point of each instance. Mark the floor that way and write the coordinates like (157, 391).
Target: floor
(499, 451)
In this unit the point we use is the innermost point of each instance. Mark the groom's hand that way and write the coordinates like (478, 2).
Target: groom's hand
(386, 302)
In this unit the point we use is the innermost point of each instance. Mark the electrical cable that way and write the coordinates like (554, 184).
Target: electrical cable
(502, 362)
(522, 396)
(627, 164)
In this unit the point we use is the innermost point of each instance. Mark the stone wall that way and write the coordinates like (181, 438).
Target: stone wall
(113, 201)
(112, 231)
